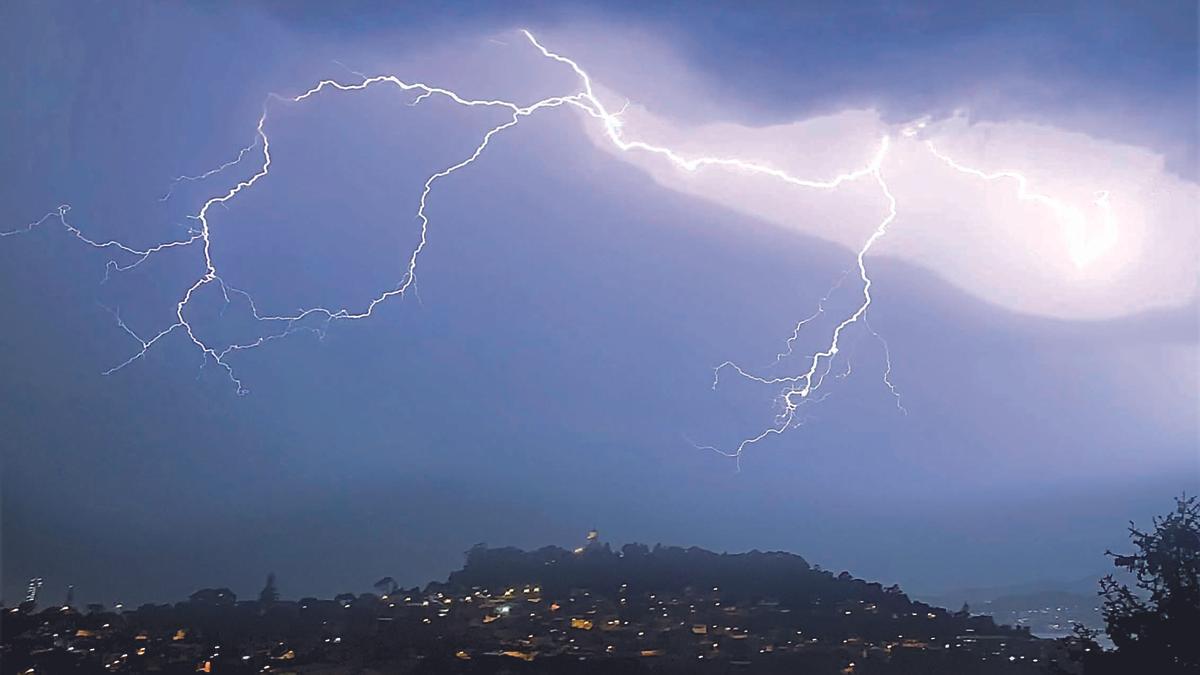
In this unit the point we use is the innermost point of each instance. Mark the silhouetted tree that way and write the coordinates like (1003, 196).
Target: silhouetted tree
(386, 586)
(269, 593)
(214, 596)
(1160, 625)
(638, 550)
(1154, 626)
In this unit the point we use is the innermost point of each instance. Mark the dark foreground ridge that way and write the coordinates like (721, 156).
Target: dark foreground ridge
(591, 610)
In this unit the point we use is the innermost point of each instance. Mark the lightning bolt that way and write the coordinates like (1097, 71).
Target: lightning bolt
(790, 343)
(797, 390)
(211, 172)
(800, 387)
(1084, 243)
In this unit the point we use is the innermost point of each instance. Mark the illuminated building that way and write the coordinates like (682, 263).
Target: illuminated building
(31, 593)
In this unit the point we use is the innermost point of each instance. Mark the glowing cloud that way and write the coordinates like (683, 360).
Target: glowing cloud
(1034, 219)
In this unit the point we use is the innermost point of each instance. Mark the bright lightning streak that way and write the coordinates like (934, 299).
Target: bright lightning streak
(138, 255)
(887, 371)
(798, 389)
(801, 386)
(791, 341)
(1085, 245)
(210, 173)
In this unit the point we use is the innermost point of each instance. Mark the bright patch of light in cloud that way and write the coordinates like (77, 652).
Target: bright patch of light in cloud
(1100, 229)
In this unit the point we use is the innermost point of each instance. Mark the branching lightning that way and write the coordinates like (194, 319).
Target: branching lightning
(211, 172)
(796, 390)
(1084, 243)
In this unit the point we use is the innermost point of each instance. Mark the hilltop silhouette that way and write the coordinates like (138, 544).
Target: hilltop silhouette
(552, 610)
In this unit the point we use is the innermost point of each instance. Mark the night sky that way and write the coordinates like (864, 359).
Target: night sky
(553, 372)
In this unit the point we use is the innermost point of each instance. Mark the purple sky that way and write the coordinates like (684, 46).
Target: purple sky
(557, 366)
